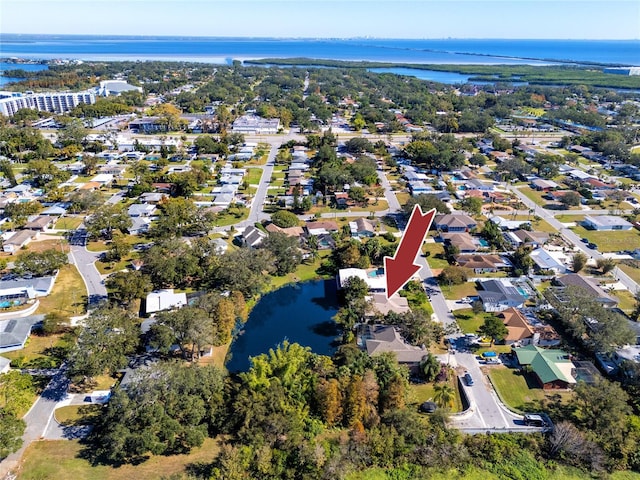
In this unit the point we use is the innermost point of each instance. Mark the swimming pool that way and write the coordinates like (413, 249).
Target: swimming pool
(376, 273)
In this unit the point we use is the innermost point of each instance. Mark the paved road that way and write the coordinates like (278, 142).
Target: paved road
(85, 262)
(38, 418)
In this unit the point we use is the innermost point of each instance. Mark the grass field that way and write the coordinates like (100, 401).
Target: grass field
(59, 460)
(534, 195)
(435, 258)
(41, 351)
(468, 321)
(456, 292)
(68, 223)
(419, 393)
(627, 300)
(520, 392)
(569, 218)
(611, 241)
(77, 414)
(634, 273)
(68, 296)
(253, 176)
(303, 273)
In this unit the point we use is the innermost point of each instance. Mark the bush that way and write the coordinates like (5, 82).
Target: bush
(284, 219)
(454, 275)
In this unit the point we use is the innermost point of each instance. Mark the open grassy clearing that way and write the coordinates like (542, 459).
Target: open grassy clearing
(634, 273)
(627, 300)
(304, 272)
(420, 393)
(456, 292)
(611, 241)
(77, 414)
(468, 321)
(534, 195)
(253, 176)
(40, 351)
(68, 296)
(435, 257)
(60, 459)
(521, 392)
(569, 218)
(68, 223)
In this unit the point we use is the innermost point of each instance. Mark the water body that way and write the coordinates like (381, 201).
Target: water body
(300, 313)
(4, 66)
(221, 50)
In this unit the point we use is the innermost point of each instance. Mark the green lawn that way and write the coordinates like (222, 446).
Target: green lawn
(253, 176)
(627, 300)
(468, 321)
(534, 195)
(569, 218)
(68, 223)
(68, 296)
(520, 392)
(436, 258)
(60, 459)
(456, 292)
(611, 241)
(40, 351)
(303, 273)
(77, 414)
(419, 393)
(634, 273)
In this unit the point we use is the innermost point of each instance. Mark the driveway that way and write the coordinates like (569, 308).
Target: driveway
(85, 260)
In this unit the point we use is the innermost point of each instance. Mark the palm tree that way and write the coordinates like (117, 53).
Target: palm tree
(443, 395)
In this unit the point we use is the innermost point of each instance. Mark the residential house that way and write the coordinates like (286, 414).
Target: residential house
(15, 332)
(22, 289)
(590, 287)
(56, 210)
(483, 263)
(40, 223)
(363, 228)
(543, 185)
(606, 223)
(499, 294)
(148, 125)
(152, 197)
(323, 227)
(596, 184)
(464, 242)
(557, 195)
(375, 280)
(160, 300)
(252, 236)
(552, 368)
(5, 365)
(19, 240)
(289, 231)
(555, 261)
(342, 199)
(141, 210)
(476, 184)
(378, 339)
(139, 225)
(418, 187)
(506, 224)
(519, 330)
(380, 304)
(533, 239)
(454, 223)
(103, 179)
(219, 245)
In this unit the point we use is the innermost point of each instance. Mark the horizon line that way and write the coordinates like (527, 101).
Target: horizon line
(359, 37)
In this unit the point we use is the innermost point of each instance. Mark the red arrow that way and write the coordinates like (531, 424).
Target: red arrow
(401, 267)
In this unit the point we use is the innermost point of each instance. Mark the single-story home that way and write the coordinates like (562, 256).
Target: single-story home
(506, 224)
(464, 242)
(380, 304)
(519, 330)
(152, 197)
(454, 223)
(103, 178)
(289, 231)
(377, 339)
(590, 287)
(362, 228)
(19, 240)
(160, 300)
(15, 332)
(533, 239)
(141, 210)
(499, 294)
(555, 261)
(483, 263)
(323, 227)
(543, 185)
(606, 222)
(376, 281)
(40, 223)
(26, 289)
(252, 236)
(552, 368)
(139, 225)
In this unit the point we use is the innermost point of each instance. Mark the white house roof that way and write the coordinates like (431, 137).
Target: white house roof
(159, 300)
(548, 260)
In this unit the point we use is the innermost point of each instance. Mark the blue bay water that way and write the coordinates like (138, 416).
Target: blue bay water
(13, 66)
(222, 50)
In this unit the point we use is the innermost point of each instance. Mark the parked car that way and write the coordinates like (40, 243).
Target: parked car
(468, 380)
(584, 240)
(592, 246)
(534, 420)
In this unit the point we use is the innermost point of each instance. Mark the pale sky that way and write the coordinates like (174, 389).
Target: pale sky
(544, 19)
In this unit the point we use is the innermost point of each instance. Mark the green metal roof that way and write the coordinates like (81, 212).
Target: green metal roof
(544, 362)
